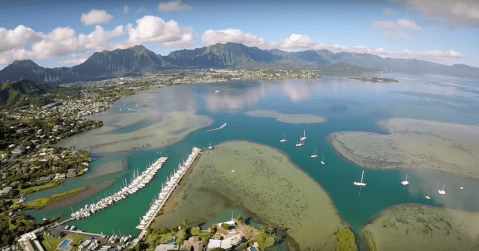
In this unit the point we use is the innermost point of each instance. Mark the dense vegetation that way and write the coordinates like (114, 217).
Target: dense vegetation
(346, 241)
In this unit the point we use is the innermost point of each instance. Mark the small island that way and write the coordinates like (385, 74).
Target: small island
(413, 143)
(287, 118)
(263, 183)
(375, 80)
(430, 228)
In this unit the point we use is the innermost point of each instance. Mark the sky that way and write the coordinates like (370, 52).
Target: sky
(57, 33)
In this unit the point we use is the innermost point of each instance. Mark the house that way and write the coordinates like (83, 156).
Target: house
(6, 192)
(226, 244)
(193, 243)
(166, 247)
(29, 242)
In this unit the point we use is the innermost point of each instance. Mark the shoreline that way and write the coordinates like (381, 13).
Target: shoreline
(77, 197)
(109, 167)
(249, 190)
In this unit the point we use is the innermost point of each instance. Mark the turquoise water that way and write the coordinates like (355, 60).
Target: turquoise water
(348, 105)
(65, 243)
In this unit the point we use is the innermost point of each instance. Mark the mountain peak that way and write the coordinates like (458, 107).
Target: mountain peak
(139, 49)
(25, 63)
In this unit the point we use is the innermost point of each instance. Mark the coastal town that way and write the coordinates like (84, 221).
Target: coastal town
(32, 160)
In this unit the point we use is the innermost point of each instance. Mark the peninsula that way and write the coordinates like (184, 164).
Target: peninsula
(264, 184)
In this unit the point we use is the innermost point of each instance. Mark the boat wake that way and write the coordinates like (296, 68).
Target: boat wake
(219, 128)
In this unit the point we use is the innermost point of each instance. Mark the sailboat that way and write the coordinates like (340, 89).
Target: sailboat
(322, 161)
(299, 143)
(283, 139)
(210, 147)
(442, 192)
(360, 184)
(405, 182)
(304, 136)
(314, 155)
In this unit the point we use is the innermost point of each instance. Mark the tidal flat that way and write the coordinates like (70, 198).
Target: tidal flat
(419, 227)
(265, 185)
(287, 118)
(413, 144)
(172, 128)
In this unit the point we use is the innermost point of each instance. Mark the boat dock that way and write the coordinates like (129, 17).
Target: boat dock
(138, 181)
(167, 189)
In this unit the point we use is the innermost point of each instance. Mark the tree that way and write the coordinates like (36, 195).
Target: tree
(185, 223)
(224, 226)
(240, 219)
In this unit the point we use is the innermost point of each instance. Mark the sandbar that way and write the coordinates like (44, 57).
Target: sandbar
(419, 227)
(413, 143)
(265, 186)
(287, 118)
(74, 198)
(172, 128)
(109, 168)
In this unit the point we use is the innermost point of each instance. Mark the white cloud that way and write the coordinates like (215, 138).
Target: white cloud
(405, 27)
(389, 11)
(73, 61)
(175, 5)
(63, 41)
(400, 24)
(96, 17)
(17, 38)
(303, 42)
(155, 29)
(126, 9)
(446, 12)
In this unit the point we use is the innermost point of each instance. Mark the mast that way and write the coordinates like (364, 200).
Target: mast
(362, 177)
(443, 186)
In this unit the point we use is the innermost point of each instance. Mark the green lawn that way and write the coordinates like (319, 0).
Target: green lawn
(43, 201)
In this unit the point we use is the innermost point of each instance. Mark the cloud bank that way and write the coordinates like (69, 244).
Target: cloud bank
(446, 12)
(25, 43)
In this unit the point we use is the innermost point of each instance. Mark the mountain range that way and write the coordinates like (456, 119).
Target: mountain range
(137, 59)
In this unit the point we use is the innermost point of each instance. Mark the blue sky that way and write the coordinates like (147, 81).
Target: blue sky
(53, 33)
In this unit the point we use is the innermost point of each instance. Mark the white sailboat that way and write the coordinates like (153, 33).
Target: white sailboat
(360, 184)
(442, 192)
(283, 139)
(210, 147)
(304, 136)
(405, 182)
(314, 154)
(427, 197)
(322, 161)
(461, 188)
(299, 143)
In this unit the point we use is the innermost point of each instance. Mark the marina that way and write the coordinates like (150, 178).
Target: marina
(139, 181)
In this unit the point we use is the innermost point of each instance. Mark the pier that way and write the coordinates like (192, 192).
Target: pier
(139, 181)
(167, 189)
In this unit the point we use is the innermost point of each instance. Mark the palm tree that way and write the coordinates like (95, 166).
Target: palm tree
(270, 228)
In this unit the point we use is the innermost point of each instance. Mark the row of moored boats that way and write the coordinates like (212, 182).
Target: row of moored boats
(167, 188)
(138, 181)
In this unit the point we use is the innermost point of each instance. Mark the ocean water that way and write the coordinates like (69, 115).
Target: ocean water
(347, 105)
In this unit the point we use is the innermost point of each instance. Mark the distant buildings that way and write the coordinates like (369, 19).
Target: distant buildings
(29, 242)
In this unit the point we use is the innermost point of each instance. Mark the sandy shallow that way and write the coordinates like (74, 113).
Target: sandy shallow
(418, 227)
(109, 168)
(74, 198)
(287, 118)
(413, 144)
(172, 128)
(265, 185)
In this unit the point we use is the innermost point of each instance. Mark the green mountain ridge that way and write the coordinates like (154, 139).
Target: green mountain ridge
(138, 59)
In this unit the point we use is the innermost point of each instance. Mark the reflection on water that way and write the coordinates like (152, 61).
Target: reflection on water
(348, 105)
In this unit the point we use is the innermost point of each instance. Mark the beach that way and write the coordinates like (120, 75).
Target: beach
(413, 144)
(287, 118)
(74, 198)
(172, 128)
(419, 227)
(265, 185)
